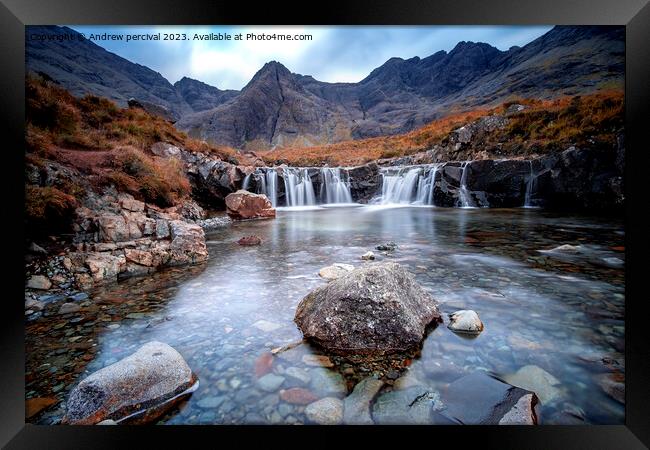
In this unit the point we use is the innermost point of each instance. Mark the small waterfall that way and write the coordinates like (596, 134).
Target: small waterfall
(530, 184)
(426, 185)
(465, 200)
(298, 187)
(408, 185)
(267, 181)
(397, 187)
(334, 189)
(247, 182)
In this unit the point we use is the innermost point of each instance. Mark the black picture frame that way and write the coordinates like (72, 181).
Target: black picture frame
(633, 14)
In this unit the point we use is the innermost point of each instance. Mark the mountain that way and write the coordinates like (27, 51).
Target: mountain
(278, 108)
(83, 67)
(200, 96)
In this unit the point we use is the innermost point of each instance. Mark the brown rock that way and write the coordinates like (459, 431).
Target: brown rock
(249, 240)
(34, 406)
(245, 205)
(263, 365)
(298, 396)
(105, 267)
(188, 243)
(112, 228)
(140, 257)
(130, 204)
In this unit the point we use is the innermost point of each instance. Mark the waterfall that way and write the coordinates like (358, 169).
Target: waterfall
(267, 184)
(408, 185)
(465, 200)
(334, 189)
(298, 187)
(529, 187)
(247, 181)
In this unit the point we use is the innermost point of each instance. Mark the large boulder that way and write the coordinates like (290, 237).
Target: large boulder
(373, 310)
(136, 389)
(245, 205)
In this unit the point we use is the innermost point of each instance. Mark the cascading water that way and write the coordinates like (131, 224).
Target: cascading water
(268, 182)
(334, 189)
(464, 197)
(298, 187)
(408, 185)
(530, 184)
(247, 182)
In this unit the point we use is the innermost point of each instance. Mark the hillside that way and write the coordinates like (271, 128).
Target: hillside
(278, 108)
(75, 146)
(527, 128)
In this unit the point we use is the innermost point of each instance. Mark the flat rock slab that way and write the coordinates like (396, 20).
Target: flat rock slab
(140, 387)
(536, 379)
(480, 399)
(413, 406)
(373, 310)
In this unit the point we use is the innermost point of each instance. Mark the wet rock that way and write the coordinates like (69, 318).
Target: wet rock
(107, 422)
(245, 205)
(263, 364)
(368, 256)
(39, 282)
(413, 406)
(335, 271)
(34, 406)
(298, 396)
(68, 308)
(387, 247)
(270, 382)
(375, 309)
(250, 240)
(143, 386)
(210, 402)
(465, 321)
(317, 360)
(536, 379)
(328, 382)
(492, 401)
(357, 404)
(297, 374)
(327, 411)
(613, 384)
(522, 413)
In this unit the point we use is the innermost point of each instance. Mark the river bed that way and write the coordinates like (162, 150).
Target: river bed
(557, 309)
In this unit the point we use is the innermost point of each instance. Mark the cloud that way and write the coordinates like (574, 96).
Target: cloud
(334, 54)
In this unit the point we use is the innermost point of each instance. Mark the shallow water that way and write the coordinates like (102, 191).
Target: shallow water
(560, 310)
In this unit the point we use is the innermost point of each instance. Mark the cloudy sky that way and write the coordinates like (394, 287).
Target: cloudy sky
(334, 54)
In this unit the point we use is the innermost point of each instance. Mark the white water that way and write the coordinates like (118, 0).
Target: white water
(268, 182)
(299, 186)
(408, 185)
(465, 200)
(247, 182)
(529, 188)
(333, 188)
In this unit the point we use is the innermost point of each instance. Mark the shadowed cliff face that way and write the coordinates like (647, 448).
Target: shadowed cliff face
(278, 108)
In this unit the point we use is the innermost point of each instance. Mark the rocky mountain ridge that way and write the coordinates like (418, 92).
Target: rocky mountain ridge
(278, 108)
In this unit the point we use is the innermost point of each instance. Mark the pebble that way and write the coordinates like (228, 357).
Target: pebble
(327, 411)
(270, 382)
